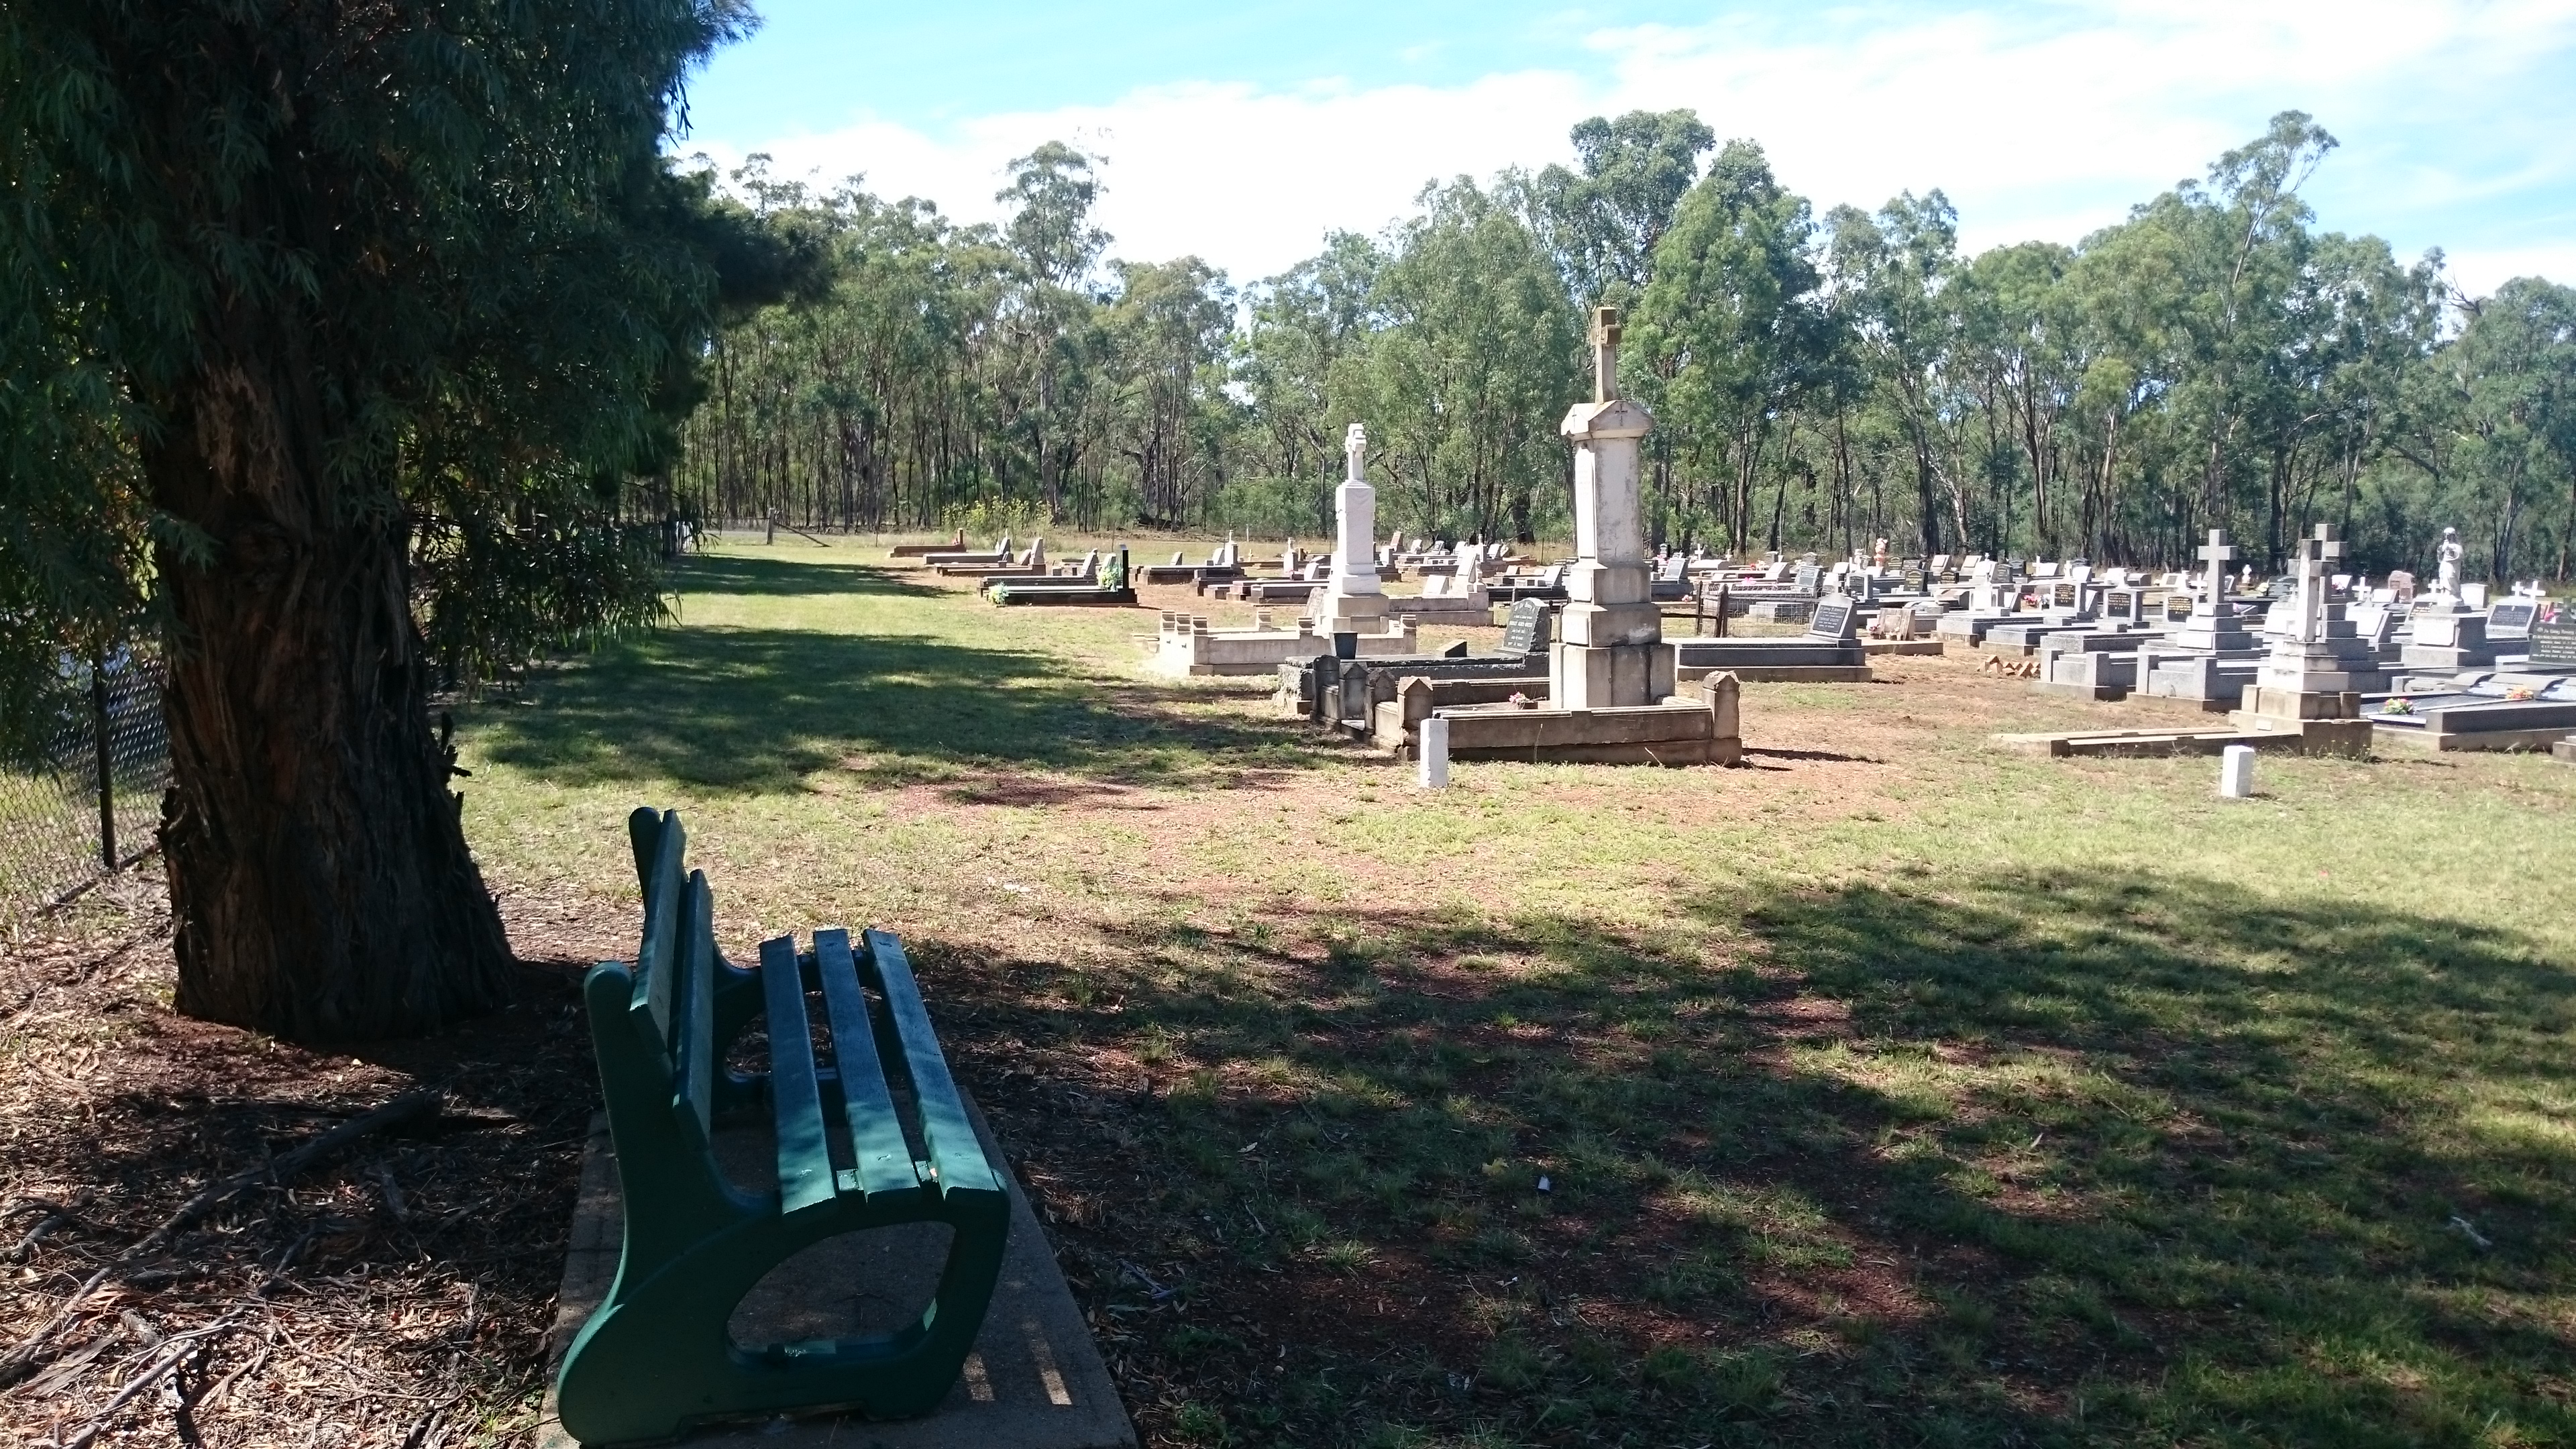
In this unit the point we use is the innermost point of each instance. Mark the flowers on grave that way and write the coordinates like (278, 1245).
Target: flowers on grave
(1522, 701)
(2399, 705)
(2519, 691)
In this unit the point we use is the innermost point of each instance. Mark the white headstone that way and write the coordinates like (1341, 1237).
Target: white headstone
(2236, 772)
(1435, 753)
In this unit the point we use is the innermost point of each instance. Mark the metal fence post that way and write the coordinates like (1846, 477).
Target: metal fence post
(106, 764)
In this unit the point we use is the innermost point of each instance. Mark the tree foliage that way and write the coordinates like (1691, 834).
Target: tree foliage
(337, 343)
(2214, 360)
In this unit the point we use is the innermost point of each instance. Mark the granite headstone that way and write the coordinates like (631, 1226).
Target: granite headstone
(1526, 630)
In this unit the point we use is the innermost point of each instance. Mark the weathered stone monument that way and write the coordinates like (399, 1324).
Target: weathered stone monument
(1353, 601)
(1350, 603)
(1610, 649)
(2213, 656)
(2311, 682)
(1610, 676)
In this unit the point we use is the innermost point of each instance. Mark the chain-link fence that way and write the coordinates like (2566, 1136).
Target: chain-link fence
(95, 804)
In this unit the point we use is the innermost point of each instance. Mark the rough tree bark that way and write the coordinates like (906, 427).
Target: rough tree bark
(317, 866)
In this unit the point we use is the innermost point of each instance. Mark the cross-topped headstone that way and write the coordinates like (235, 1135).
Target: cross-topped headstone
(2217, 555)
(1612, 652)
(2317, 557)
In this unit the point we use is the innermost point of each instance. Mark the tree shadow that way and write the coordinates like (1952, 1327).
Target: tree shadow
(759, 710)
(734, 573)
(2010, 1157)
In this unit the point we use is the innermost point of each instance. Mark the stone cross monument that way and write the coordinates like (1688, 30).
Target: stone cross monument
(2317, 558)
(2319, 666)
(1354, 602)
(1611, 648)
(2320, 653)
(2213, 628)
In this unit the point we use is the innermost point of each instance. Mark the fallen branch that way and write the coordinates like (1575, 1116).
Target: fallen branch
(56, 1216)
(400, 1109)
(192, 1344)
(21, 1360)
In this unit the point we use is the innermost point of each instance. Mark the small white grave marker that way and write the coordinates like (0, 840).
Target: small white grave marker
(2236, 772)
(1435, 753)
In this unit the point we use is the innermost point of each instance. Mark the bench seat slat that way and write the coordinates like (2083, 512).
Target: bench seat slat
(796, 1098)
(884, 1161)
(954, 1149)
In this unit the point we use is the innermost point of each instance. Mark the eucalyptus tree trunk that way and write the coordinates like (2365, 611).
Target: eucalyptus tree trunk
(318, 871)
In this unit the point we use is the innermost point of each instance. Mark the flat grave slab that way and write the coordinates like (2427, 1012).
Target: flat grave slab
(2147, 744)
(1035, 1380)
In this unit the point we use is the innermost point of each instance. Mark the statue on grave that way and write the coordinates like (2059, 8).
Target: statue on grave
(1354, 602)
(2446, 582)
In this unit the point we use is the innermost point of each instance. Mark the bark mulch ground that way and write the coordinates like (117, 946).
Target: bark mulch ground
(396, 1291)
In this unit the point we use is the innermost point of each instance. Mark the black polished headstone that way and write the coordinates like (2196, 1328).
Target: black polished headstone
(1526, 630)
(2553, 639)
(1832, 620)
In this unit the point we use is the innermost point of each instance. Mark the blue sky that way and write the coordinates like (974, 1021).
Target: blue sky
(1243, 133)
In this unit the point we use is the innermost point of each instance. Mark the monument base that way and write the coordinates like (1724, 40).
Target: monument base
(1351, 613)
(2442, 656)
(2216, 683)
(1674, 733)
(1610, 676)
(2325, 724)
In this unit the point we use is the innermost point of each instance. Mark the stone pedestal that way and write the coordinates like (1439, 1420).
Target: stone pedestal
(1353, 600)
(2215, 633)
(1611, 651)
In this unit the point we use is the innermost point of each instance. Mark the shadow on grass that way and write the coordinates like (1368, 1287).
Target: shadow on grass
(2011, 1158)
(844, 572)
(757, 710)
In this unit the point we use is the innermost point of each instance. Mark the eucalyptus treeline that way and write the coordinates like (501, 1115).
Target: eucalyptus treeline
(2214, 360)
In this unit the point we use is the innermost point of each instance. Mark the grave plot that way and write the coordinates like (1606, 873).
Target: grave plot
(2499, 713)
(1828, 652)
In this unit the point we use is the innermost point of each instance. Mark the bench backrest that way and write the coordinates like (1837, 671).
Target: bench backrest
(672, 1006)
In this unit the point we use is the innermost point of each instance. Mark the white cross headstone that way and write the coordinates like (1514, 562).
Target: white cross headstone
(2214, 583)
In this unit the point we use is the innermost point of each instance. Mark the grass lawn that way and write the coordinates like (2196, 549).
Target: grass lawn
(1893, 1090)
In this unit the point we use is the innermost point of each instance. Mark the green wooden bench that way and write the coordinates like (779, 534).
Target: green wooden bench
(656, 1357)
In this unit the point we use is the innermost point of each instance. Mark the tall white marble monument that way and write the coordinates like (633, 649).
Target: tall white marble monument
(1611, 650)
(1354, 602)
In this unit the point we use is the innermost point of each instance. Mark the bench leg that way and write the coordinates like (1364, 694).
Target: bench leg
(656, 1359)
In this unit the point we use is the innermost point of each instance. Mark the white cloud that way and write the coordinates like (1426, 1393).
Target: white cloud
(2047, 123)
(2479, 272)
